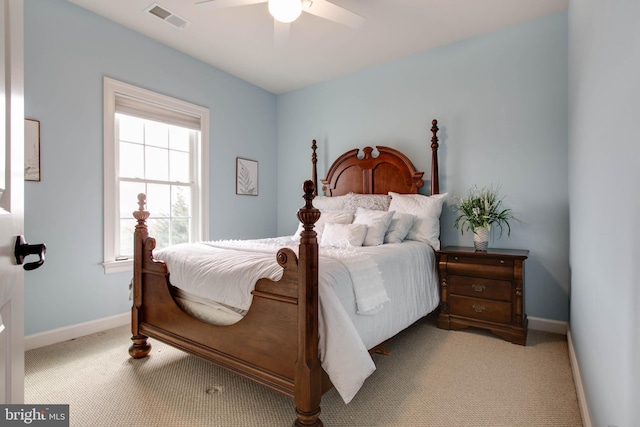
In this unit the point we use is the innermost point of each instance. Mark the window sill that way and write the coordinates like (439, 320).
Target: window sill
(124, 266)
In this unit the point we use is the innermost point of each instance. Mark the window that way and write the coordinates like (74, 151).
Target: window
(156, 145)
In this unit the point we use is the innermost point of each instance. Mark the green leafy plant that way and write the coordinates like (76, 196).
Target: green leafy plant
(482, 207)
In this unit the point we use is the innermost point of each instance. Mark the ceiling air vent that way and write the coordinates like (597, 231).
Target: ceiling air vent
(169, 17)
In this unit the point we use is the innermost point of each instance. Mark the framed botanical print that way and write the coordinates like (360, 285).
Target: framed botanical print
(246, 177)
(31, 150)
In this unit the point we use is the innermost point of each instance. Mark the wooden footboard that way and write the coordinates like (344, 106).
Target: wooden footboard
(275, 344)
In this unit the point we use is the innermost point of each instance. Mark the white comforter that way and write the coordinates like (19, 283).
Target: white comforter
(398, 287)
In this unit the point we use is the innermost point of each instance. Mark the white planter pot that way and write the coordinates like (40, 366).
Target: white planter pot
(481, 239)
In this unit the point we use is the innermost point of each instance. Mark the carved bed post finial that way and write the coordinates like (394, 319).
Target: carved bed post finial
(142, 200)
(434, 131)
(435, 184)
(308, 215)
(314, 161)
(307, 391)
(141, 214)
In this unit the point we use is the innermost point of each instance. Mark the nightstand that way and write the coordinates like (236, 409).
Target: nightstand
(483, 290)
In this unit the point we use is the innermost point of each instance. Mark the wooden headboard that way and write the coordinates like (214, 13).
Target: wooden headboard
(390, 170)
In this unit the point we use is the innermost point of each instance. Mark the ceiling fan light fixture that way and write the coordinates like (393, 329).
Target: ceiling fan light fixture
(285, 10)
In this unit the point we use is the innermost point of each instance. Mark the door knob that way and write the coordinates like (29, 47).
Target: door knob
(23, 249)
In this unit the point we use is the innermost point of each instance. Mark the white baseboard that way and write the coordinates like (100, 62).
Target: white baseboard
(547, 325)
(66, 333)
(577, 379)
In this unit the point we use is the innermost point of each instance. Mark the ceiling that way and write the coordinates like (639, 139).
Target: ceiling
(240, 40)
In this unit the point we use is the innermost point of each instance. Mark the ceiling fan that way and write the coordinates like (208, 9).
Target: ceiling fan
(284, 12)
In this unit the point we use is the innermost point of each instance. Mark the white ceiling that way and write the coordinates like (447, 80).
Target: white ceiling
(239, 40)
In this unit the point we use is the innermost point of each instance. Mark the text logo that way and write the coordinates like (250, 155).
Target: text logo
(34, 415)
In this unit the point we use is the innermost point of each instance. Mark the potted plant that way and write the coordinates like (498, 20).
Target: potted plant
(477, 212)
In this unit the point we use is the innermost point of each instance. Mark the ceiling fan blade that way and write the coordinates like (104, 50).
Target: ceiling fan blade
(280, 33)
(332, 12)
(221, 4)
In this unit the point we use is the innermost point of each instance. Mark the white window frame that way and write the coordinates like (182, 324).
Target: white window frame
(155, 101)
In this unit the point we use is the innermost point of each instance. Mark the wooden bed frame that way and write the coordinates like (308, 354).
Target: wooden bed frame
(276, 343)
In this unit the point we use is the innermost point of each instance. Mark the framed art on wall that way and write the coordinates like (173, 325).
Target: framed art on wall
(246, 177)
(31, 150)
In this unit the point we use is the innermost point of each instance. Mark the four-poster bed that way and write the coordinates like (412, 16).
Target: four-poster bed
(276, 342)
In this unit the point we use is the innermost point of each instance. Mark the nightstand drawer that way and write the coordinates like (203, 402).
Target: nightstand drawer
(481, 309)
(489, 267)
(477, 287)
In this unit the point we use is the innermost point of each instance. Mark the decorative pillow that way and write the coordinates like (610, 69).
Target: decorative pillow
(337, 217)
(399, 227)
(343, 235)
(427, 209)
(325, 203)
(379, 202)
(377, 223)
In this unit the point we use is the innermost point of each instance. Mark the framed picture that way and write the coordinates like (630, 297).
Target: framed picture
(31, 150)
(246, 177)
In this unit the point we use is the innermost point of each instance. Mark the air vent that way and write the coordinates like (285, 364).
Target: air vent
(167, 16)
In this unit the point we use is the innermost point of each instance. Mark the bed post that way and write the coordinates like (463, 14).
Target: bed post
(140, 347)
(308, 372)
(314, 171)
(435, 183)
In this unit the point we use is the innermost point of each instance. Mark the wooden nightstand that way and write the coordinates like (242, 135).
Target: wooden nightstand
(484, 290)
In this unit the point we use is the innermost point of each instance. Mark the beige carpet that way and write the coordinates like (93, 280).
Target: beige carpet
(430, 378)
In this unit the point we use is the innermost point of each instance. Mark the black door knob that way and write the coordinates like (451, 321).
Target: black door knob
(23, 249)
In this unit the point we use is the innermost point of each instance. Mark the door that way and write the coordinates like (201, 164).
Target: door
(11, 202)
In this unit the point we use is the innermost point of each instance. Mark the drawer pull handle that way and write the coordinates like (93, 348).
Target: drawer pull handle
(478, 288)
(456, 258)
(479, 308)
(501, 261)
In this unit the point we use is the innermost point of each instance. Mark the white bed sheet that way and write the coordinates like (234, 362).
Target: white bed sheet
(408, 272)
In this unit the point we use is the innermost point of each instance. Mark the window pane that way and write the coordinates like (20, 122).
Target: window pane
(180, 202)
(130, 128)
(179, 231)
(156, 134)
(159, 229)
(131, 160)
(179, 138)
(156, 163)
(159, 200)
(178, 166)
(126, 237)
(129, 198)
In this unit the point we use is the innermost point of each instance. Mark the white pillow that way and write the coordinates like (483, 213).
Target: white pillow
(399, 227)
(377, 223)
(336, 217)
(343, 235)
(325, 203)
(427, 209)
(378, 202)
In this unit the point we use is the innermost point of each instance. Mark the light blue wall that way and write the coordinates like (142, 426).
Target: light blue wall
(604, 180)
(501, 103)
(68, 50)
